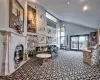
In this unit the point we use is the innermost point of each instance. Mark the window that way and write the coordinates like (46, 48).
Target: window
(62, 31)
(49, 16)
(62, 40)
(62, 37)
(51, 23)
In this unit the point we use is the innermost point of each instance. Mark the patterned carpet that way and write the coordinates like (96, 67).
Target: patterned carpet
(68, 65)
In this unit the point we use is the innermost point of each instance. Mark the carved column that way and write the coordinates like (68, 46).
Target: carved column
(5, 38)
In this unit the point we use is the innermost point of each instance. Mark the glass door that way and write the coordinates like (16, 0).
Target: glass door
(74, 43)
(79, 42)
(83, 42)
(62, 38)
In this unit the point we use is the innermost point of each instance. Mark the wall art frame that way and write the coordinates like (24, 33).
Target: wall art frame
(41, 28)
(41, 17)
(16, 15)
(31, 19)
(41, 39)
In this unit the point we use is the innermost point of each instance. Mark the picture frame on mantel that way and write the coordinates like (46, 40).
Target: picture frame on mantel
(16, 15)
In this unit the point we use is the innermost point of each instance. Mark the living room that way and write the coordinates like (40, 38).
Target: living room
(49, 40)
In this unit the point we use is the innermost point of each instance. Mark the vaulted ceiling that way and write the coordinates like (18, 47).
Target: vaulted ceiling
(72, 11)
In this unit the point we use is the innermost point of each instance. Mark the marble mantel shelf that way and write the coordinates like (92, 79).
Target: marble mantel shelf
(6, 31)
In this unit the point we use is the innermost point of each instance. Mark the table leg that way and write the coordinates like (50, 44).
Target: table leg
(44, 60)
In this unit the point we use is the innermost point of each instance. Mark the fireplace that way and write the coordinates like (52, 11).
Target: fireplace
(18, 55)
(13, 52)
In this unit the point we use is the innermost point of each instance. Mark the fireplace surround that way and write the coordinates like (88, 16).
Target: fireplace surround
(14, 46)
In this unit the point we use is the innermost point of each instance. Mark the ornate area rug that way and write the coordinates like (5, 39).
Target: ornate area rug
(68, 65)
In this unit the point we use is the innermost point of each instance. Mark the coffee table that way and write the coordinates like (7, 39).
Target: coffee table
(43, 56)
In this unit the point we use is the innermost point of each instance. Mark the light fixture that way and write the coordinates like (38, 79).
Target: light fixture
(85, 8)
(68, 2)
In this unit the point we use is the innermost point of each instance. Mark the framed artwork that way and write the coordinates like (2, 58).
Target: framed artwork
(41, 39)
(31, 19)
(54, 31)
(32, 42)
(49, 40)
(54, 40)
(16, 15)
(51, 23)
(49, 31)
(41, 28)
(41, 17)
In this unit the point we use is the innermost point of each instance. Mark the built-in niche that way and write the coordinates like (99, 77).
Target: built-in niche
(18, 55)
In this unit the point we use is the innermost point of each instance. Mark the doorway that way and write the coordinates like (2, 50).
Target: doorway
(79, 42)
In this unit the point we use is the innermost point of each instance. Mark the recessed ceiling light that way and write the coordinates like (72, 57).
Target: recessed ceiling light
(85, 8)
(68, 2)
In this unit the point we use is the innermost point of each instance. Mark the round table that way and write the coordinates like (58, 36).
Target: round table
(43, 56)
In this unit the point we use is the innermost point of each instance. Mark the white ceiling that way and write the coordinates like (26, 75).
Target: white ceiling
(73, 12)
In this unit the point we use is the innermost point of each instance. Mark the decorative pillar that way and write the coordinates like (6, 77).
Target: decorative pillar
(5, 38)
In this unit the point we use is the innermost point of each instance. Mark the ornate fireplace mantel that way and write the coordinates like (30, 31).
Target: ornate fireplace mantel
(10, 41)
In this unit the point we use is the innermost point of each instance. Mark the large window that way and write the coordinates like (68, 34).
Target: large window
(62, 37)
(62, 31)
